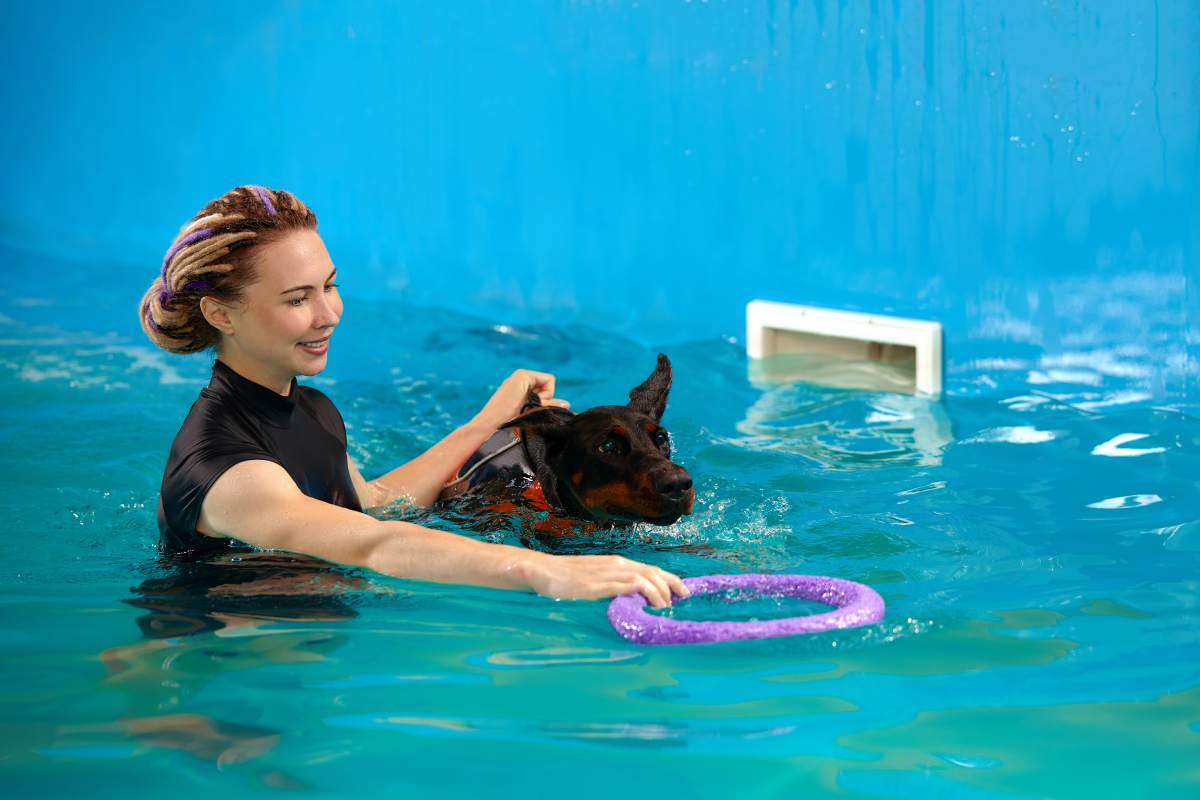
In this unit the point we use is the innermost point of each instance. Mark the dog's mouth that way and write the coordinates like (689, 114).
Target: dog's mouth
(622, 515)
(674, 508)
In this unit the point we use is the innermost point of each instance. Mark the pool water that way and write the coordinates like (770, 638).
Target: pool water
(1035, 535)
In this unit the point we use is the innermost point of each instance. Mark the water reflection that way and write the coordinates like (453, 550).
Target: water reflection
(839, 429)
(204, 619)
(552, 657)
(951, 645)
(1100, 740)
(236, 590)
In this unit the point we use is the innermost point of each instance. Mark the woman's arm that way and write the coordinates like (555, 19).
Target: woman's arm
(421, 480)
(257, 502)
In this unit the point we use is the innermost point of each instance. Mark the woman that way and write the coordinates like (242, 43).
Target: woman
(263, 460)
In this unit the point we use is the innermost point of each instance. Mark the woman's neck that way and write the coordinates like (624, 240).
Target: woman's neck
(251, 370)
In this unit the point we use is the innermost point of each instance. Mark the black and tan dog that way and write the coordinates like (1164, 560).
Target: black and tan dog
(609, 465)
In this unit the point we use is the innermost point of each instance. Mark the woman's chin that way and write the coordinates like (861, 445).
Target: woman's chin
(310, 365)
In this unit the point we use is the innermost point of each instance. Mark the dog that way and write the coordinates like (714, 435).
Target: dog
(609, 466)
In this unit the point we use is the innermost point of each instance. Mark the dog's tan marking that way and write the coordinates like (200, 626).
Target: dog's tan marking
(642, 500)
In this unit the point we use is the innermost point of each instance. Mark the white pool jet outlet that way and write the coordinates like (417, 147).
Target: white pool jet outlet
(843, 348)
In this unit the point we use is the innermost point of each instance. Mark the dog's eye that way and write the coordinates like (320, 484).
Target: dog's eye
(608, 447)
(661, 438)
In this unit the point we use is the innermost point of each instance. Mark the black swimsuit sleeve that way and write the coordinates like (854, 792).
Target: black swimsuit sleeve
(195, 463)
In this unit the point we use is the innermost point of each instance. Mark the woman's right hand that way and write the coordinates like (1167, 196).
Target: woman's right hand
(595, 577)
(508, 400)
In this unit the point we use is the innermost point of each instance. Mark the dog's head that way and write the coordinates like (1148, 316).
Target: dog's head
(612, 463)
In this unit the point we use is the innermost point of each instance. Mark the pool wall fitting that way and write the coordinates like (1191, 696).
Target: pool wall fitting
(911, 345)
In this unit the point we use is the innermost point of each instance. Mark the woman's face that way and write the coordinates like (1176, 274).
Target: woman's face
(283, 326)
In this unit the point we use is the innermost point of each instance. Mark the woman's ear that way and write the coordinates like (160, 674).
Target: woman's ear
(216, 314)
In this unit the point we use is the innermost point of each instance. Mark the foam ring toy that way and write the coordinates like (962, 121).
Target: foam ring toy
(856, 605)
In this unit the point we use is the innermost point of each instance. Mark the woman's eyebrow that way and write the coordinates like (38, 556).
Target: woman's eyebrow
(309, 286)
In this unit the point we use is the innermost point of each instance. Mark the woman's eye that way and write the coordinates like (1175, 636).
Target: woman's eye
(296, 301)
(331, 286)
(607, 447)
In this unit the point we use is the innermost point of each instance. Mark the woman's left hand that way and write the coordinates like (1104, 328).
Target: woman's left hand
(512, 397)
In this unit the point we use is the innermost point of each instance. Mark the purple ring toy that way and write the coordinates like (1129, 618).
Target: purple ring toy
(856, 605)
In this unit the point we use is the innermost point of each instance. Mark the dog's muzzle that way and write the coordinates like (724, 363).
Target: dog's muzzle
(674, 487)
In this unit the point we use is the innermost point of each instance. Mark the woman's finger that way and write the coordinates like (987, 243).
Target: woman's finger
(543, 384)
(660, 580)
(557, 402)
(538, 380)
(665, 584)
(676, 584)
(651, 592)
(647, 577)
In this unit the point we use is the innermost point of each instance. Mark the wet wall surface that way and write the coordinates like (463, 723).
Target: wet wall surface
(1025, 173)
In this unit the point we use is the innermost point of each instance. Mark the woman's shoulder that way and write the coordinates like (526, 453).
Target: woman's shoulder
(319, 406)
(213, 408)
(213, 420)
(312, 395)
(317, 402)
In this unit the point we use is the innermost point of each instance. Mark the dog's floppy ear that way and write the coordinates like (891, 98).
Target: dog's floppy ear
(651, 397)
(544, 431)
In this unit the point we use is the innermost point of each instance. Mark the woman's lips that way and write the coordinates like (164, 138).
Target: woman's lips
(316, 347)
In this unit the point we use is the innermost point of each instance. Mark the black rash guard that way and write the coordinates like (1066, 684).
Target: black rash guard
(235, 419)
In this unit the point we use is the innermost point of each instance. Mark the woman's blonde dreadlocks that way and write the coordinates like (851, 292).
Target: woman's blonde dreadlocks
(213, 256)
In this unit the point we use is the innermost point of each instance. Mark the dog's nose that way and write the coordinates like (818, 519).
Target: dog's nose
(673, 484)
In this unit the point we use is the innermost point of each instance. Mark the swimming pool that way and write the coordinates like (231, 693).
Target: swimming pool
(1039, 563)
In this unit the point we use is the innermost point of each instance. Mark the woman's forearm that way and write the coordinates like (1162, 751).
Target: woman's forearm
(410, 551)
(421, 480)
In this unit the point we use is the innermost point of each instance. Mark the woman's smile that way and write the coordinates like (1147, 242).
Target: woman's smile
(315, 347)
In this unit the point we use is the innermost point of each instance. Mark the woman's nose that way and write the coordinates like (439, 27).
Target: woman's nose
(328, 312)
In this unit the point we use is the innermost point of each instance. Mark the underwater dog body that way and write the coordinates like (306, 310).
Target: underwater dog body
(609, 465)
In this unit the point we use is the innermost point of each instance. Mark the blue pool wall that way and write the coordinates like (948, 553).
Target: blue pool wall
(1008, 168)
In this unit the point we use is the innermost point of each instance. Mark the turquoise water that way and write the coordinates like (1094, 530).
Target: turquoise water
(1035, 534)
